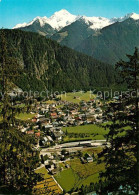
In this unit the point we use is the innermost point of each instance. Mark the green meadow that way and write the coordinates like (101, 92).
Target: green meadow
(85, 132)
(77, 97)
(23, 116)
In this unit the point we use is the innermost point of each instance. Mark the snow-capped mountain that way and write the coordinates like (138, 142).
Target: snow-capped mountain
(121, 19)
(96, 22)
(41, 20)
(111, 44)
(57, 21)
(101, 22)
(63, 18)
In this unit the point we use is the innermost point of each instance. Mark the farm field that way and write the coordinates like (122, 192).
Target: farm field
(49, 182)
(80, 174)
(77, 97)
(85, 132)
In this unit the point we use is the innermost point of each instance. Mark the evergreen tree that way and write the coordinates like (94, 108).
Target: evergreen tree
(120, 176)
(18, 159)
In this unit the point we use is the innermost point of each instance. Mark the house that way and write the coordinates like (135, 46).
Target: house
(89, 159)
(24, 129)
(80, 123)
(99, 121)
(38, 134)
(44, 110)
(57, 136)
(98, 110)
(74, 112)
(45, 140)
(67, 166)
(55, 123)
(34, 120)
(48, 126)
(42, 120)
(53, 105)
(90, 117)
(39, 116)
(77, 118)
(82, 160)
(54, 115)
(84, 108)
(31, 132)
(50, 138)
(92, 100)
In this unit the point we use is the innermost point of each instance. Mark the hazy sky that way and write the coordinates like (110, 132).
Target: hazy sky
(13, 12)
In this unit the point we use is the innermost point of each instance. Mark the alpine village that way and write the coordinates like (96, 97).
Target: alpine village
(69, 106)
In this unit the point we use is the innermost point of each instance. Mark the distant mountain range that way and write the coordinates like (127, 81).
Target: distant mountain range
(105, 39)
(63, 18)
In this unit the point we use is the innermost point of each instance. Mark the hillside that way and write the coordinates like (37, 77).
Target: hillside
(47, 65)
(45, 30)
(73, 35)
(113, 42)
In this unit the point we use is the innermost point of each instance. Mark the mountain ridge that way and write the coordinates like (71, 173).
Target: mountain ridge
(113, 42)
(63, 18)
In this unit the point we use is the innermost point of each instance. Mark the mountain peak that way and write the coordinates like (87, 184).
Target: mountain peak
(41, 20)
(96, 22)
(61, 12)
(134, 16)
(20, 25)
(61, 19)
(127, 16)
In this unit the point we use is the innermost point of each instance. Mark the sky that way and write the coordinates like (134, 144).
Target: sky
(13, 12)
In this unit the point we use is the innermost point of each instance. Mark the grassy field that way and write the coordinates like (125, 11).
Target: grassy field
(25, 116)
(44, 172)
(80, 174)
(92, 150)
(67, 179)
(50, 102)
(77, 97)
(48, 181)
(22, 116)
(85, 132)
